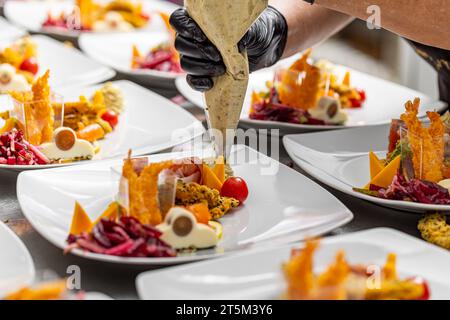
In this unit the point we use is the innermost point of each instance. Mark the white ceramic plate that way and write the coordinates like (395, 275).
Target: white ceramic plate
(9, 31)
(115, 51)
(340, 159)
(282, 207)
(16, 267)
(149, 123)
(257, 275)
(68, 66)
(31, 14)
(385, 100)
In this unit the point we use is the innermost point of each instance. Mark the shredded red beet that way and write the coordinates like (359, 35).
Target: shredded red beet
(161, 58)
(272, 109)
(415, 190)
(125, 238)
(61, 22)
(15, 150)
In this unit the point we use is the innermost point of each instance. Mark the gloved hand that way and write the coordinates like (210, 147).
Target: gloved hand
(265, 42)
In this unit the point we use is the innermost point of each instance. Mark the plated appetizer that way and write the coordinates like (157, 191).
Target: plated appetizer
(343, 281)
(163, 57)
(416, 167)
(41, 129)
(89, 15)
(18, 65)
(306, 93)
(162, 209)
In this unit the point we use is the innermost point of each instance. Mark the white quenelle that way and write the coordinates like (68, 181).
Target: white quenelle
(113, 21)
(329, 109)
(67, 146)
(10, 80)
(181, 230)
(445, 183)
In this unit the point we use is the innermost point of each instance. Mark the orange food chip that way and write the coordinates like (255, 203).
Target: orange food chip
(300, 84)
(427, 144)
(143, 191)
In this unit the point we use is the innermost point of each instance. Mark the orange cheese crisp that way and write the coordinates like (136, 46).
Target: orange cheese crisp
(427, 144)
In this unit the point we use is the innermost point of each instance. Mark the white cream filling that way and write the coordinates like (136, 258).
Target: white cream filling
(322, 111)
(17, 82)
(201, 236)
(81, 149)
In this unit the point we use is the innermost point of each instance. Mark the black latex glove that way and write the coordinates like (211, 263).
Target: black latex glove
(265, 42)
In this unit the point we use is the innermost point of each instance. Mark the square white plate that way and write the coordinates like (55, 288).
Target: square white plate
(340, 159)
(31, 14)
(385, 100)
(283, 206)
(115, 51)
(68, 66)
(257, 275)
(150, 123)
(9, 31)
(16, 265)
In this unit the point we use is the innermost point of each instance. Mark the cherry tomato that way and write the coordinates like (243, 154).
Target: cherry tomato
(29, 65)
(235, 187)
(426, 289)
(355, 103)
(362, 94)
(111, 117)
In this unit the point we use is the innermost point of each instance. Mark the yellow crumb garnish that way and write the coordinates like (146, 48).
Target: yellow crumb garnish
(434, 229)
(191, 193)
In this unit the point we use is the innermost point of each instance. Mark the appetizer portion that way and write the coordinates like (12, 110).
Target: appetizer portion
(307, 93)
(40, 129)
(89, 15)
(417, 164)
(343, 281)
(18, 65)
(163, 57)
(161, 209)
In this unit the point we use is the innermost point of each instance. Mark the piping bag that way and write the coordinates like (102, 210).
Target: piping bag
(225, 23)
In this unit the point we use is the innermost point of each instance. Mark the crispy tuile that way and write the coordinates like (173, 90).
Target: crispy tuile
(54, 290)
(299, 272)
(143, 190)
(300, 93)
(427, 145)
(331, 283)
(38, 111)
(390, 267)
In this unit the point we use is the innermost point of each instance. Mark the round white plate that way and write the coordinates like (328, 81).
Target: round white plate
(31, 14)
(9, 31)
(258, 275)
(115, 51)
(283, 205)
(68, 66)
(385, 100)
(150, 123)
(340, 159)
(16, 267)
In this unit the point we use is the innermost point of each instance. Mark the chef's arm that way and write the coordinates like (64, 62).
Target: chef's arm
(308, 24)
(426, 22)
